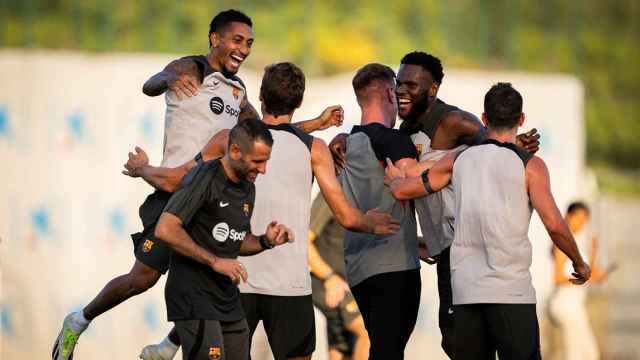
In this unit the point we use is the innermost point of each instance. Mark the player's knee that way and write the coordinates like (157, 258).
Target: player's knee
(143, 280)
(358, 329)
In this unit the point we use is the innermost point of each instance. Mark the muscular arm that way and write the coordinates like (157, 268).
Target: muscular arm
(464, 128)
(183, 73)
(247, 111)
(437, 177)
(348, 216)
(170, 230)
(538, 186)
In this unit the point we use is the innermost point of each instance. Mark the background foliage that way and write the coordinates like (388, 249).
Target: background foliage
(598, 41)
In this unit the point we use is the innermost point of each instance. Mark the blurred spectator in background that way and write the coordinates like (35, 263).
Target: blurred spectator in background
(346, 334)
(568, 302)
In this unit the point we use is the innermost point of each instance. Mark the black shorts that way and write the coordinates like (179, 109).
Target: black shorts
(213, 339)
(445, 293)
(289, 322)
(147, 249)
(389, 303)
(511, 330)
(338, 318)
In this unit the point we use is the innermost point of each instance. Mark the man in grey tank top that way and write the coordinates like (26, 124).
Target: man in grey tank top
(495, 184)
(437, 128)
(203, 96)
(382, 271)
(278, 289)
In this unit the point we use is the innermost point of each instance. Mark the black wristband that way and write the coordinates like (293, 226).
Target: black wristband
(425, 181)
(262, 239)
(199, 160)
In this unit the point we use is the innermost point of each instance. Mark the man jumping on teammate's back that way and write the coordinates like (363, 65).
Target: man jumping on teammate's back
(215, 100)
(279, 289)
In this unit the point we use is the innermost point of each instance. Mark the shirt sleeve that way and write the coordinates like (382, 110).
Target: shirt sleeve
(397, 145)
(193, 191)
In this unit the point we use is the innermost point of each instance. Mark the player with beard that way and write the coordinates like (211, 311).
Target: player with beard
(207, 223)
(496, 185)
(436, 128)
(279, 290)
(203, 96)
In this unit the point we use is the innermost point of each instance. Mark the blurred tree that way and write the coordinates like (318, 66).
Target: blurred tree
(595, 40)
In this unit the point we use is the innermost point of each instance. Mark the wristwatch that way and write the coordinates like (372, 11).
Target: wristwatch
(262, 239)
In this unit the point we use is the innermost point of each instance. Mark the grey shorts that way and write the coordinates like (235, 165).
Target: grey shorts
(213, 339)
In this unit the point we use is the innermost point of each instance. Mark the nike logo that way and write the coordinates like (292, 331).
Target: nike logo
(215, 83)
(223, 204)
(450, 311)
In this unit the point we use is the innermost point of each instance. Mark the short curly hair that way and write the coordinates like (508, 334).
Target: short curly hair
(224, 18)
(428, 62)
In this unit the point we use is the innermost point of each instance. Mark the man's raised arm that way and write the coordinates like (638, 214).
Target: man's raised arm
(349, 217)
(168, 179)
(467, 129)
(181, 76)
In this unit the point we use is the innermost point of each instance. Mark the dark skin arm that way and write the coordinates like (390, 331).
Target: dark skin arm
(183, 77)
(458, 128)
(463, 128)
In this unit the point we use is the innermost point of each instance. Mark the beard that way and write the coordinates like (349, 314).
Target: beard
(410, 122)
(240, 168)
(419, 107)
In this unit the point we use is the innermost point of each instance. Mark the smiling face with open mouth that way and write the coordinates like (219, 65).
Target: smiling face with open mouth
(412, 90)
(232, 46)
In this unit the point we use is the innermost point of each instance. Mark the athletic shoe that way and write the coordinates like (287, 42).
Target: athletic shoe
(153, 352)
(66, 341)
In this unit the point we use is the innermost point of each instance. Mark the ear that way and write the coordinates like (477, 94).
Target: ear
(215, 39)
(485, 120)
(391, 95)
(433, 90)
(234, 152)
(521, 121)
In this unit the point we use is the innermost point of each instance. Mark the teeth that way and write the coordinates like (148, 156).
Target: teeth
(237, 58)
(404, 101)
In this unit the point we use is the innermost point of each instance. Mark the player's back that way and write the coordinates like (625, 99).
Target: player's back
(192, 121)
(362, 180)
(283, 194)
(491, 252)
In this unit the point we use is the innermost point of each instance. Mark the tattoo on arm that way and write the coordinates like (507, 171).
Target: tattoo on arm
(247, 111)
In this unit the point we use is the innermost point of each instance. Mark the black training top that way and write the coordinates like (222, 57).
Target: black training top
(216, 213)
(388, 143)
(429, 123)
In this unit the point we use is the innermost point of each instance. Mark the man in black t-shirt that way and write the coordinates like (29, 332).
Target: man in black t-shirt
(207, 224)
